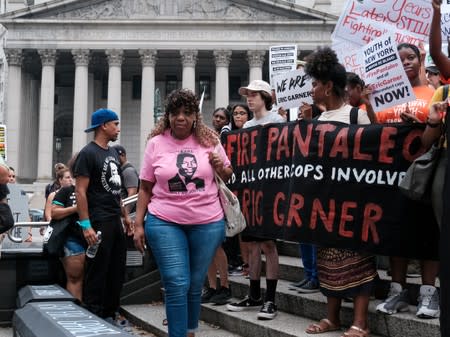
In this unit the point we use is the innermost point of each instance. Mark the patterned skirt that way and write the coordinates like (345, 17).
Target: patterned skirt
(344, 273)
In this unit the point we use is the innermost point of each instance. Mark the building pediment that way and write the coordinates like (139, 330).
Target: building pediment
(256, 10)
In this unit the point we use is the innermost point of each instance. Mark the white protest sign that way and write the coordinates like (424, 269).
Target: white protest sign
(282, 59)
(445, 20)
(292, 88)
(364, 21)
(349, 56)
(385, 75)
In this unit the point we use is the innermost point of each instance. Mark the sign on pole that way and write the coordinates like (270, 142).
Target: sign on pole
(281, 60)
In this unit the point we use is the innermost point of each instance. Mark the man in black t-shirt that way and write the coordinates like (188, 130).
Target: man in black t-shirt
(98, 185)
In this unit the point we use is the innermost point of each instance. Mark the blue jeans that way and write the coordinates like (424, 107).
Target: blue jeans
(309, 258)
(183, 254)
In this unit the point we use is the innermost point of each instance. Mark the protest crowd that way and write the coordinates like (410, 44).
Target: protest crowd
(291, 139)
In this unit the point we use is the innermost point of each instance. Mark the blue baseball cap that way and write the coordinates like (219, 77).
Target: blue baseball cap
(101, 116)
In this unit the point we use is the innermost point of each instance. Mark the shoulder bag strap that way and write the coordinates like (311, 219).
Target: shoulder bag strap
(354, 115)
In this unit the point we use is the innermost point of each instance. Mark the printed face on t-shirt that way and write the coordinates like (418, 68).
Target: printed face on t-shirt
(188, 166)
(110, 177)
(184, 180)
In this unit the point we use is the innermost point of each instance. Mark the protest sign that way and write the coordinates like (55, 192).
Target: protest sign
(327, 183)
(364, 21)
(292, 89)
(281, 60)
(385, 75)
(349, 55)
(445, 19)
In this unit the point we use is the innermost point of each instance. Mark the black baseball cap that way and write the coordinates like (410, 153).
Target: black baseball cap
(120, 149)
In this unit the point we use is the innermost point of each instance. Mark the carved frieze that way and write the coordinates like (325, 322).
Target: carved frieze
(147, 9)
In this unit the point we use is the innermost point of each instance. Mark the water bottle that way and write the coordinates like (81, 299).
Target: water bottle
(92, 250)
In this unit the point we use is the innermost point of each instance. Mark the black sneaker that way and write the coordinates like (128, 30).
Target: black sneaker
(268, 311)
(309, 287)
(245, 304)
(221, 296)
(207, 294)
(296, 285)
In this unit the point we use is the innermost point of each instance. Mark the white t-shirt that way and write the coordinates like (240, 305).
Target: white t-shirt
(343, 115)
(271, 117)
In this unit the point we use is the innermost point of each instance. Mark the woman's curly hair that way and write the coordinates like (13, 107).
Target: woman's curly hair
(323, 65)
(206, 136)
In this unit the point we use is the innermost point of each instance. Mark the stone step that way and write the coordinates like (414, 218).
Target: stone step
(226, 323)
(247, 324)
(150, 318)
(313, 307)
(291, 269)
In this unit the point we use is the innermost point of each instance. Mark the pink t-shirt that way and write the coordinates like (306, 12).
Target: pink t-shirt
(185, 191)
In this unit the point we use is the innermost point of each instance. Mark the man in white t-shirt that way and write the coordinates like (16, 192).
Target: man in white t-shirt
(259, 100)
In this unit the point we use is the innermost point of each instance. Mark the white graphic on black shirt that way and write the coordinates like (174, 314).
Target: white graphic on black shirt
(115, 177)
(184, 180)
(111, 180)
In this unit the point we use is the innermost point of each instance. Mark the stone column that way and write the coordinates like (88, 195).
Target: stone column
(222, 58)
(115, 58)
(80, 98)
(189, 60)
(14, 107)
(46, 115)
(255, 61)
(148, 60)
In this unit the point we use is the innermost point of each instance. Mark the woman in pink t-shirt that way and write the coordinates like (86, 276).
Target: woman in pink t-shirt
(184, 222)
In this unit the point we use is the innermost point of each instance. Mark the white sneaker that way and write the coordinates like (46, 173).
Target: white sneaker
(397, 300)
(428, 302)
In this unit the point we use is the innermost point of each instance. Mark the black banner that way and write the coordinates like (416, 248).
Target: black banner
(332, 184)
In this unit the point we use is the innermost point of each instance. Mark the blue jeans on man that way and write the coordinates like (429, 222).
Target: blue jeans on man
(310, 283)
(309, 258)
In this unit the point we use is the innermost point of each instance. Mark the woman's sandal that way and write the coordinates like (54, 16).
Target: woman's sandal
(324, 325)
(29, 238)
(356, 331)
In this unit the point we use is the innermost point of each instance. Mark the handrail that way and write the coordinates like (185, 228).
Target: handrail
(25, 224)
(128, 201)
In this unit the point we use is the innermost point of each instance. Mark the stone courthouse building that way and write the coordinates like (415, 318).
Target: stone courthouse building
(63, 59)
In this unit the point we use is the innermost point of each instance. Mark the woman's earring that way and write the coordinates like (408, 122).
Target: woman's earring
(194, 125)
(327, 93)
